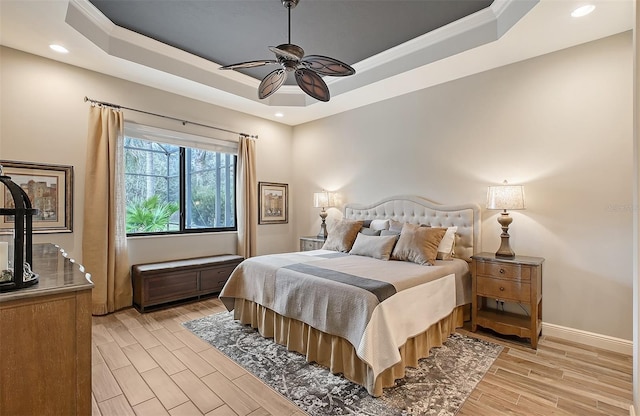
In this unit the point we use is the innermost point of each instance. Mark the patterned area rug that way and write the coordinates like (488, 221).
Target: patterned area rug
(439, 386)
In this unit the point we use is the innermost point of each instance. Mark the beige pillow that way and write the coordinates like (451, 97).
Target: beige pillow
(374, 246)
(341, 235)
(418, 244)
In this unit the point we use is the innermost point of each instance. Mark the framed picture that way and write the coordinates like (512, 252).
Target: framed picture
(50, 190)
(273, 205)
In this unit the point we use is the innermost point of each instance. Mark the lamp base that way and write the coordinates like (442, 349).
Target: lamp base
(505, 251)
(323, 227)
(323, 231)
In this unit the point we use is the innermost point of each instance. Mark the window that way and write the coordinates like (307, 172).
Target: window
(174, 184)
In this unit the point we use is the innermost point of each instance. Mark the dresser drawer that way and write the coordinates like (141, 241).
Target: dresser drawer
(503, 289)
(504, 271)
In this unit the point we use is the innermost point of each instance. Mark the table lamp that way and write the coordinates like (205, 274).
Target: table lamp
(323, 200)
(505, 197)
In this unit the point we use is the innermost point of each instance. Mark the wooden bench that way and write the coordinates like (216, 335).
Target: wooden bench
(162, 284)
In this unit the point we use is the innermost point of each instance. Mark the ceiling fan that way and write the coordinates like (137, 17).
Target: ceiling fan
(307, 69)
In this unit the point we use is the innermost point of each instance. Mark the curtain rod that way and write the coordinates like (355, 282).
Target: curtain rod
(184, 122)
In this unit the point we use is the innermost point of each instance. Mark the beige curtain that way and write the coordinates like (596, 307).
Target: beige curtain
(247, 197)
(104, 243)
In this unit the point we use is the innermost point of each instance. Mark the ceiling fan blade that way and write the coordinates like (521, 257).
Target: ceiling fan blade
(312, 84)
(324, 65)
(272, 82)
(288, 51)
(250, 64)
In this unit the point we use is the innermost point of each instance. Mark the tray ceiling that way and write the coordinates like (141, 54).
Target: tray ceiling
(228, 32)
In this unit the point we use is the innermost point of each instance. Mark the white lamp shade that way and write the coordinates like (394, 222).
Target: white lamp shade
(323, 199)
(505, 197)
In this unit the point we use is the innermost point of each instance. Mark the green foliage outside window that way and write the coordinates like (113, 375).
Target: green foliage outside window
(150, 215)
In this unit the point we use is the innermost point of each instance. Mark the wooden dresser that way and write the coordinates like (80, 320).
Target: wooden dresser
(518, 281)
(45, 340)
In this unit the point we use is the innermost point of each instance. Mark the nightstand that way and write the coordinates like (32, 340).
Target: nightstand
(311, 243)
(517, 280)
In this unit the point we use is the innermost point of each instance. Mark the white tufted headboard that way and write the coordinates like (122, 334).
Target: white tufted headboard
(417, 210)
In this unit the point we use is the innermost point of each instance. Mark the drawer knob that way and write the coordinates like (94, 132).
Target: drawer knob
(501, 271)
(501, 289)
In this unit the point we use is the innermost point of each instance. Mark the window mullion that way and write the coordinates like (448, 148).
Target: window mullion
(227, 190)
(183, 186)
(218, 193)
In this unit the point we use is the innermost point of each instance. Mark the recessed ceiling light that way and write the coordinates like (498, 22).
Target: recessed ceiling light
(279, 115)
(59, 48)
(583, 10)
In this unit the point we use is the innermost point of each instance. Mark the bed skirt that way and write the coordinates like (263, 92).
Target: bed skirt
(335, 352)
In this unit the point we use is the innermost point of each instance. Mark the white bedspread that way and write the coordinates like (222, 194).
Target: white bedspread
(424, 295)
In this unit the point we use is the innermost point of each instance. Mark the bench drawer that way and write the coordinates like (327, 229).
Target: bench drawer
(166, 287)
(212, 280)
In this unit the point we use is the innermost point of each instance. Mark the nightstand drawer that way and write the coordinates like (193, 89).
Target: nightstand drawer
(311, 243)
(306, 245)
(504, 271)
(503, 289)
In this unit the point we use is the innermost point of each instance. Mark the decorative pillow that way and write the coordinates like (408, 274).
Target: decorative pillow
(379, 224)
(445, 248)
(389, 232)
(395, 225)
(341, 235)
(376, 247)
(369, 231)
(418, 244)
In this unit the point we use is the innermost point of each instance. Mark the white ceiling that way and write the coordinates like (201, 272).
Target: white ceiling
(32, 25)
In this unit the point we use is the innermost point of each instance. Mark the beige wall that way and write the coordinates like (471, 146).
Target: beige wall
(43, 118)
(560, 124)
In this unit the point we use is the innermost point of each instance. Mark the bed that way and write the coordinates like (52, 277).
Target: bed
(361, 309)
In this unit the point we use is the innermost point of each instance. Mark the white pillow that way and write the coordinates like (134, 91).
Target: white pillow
(445, 248)
(379, 225)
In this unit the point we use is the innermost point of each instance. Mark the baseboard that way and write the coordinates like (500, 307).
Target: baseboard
(605, 342)
(632, 411)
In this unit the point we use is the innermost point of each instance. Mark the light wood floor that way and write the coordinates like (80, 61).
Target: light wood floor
(148, 364)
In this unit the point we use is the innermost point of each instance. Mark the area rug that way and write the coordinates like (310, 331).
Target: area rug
(439, 386)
